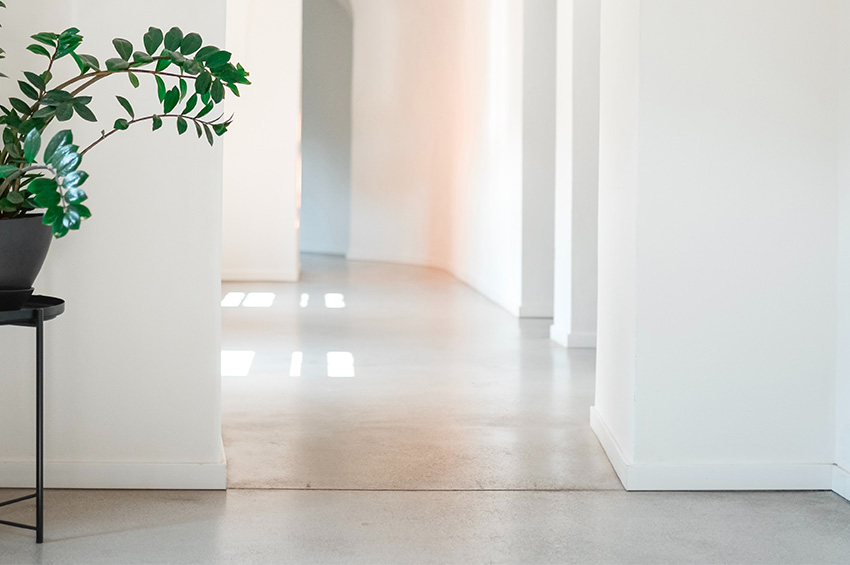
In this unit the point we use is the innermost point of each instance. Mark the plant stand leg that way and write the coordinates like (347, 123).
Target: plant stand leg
(39, 428)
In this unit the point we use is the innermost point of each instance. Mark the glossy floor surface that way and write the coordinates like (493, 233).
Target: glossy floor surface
(461, 437)
(449, 391)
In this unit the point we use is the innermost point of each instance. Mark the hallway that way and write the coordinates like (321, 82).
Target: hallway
(450, 392)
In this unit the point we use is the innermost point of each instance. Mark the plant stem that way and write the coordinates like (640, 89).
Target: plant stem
(146, 118)
(17, 174)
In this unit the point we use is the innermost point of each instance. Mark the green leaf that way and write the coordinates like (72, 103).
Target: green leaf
(64, 137)
(157, 123)
(59, 230)
(127, 106)
(52, 214)
(218, 59)
(121, 124)
(83, 211)
(38, 50)
(190, 104)
(142, 57)
(64, 111)
(220, 129)
(182, 125)
(28, 90)
(7, 170)
(75, 196)
(47, 198)
(153, 39)
(85, 113)
(91, 61)
(203, 83)
(162, 64)
(124, 48)
(134, 80)
(207, 109)
(217, 91)
(172, 97)
(45, 112)
(191, 43)
(75, 179)
(192, 67)
(40, 185)
(35, 80)
(160, 89)
(46, 38)
(69, 163)
(6, 206)
(116, 65)
(15, 198)
(173, 39)
(55, 97)
(80, 64)
(206, 52)
(184, 88)
(71, 220)
(209, 134)
(32, 143)
(60, 153)
(19, 105)
(198, 129)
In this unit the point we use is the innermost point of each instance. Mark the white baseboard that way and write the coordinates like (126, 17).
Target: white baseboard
(841, 481)
(258, 276)
(612, 449)
(559, 335)
(581, 341)
(710, 477)
(161, 476)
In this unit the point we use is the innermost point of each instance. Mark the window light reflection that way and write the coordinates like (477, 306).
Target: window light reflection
(236, 363)
(305, 300)
(340, 364)
(295, 367)
(232, 299)
(334, 300)
(259, 300)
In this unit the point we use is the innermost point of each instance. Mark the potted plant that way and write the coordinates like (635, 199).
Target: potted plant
(41, 181)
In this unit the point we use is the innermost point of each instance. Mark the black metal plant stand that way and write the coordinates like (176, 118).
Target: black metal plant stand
(37, 310)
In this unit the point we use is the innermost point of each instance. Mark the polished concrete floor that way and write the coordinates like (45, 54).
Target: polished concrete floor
(450, 433)
(449, 391)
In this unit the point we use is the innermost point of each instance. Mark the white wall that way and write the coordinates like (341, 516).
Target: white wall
(403, 130)
(735, 238)
(326, 181)
(437, 143)
(132, 383)
(487, 200)
(614, 408)
(538, 161)
(577, 173)
(262, 165)
(842, 451)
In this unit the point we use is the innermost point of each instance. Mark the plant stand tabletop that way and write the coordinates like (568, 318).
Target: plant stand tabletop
(38, 310)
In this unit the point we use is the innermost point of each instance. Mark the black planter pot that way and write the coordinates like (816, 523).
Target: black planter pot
(24, 243)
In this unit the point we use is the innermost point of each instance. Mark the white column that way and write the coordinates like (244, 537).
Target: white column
(577, 174)
(538, 158)
(718, 243)
(262, 160)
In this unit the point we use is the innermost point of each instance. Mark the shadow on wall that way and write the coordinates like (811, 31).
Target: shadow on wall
(326, 133)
